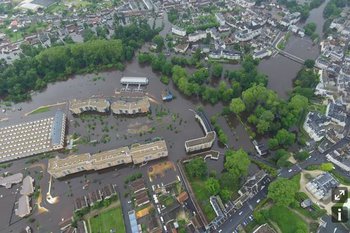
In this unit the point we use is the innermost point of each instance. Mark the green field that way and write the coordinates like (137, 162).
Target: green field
(202, 197)
(286, 220)
(107, 220)
(40, 110)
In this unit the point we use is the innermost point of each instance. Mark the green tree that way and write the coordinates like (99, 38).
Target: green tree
(212, 185)
(229, 181)
(237, 106)
(272, 143)
(225, 195)
(216, 70)
(285, 138)
(301, 155)
(197, 168)
(309, 63)
(282, 191)
(327, 167)
(237, 162)
(159, 41)
(310, 28)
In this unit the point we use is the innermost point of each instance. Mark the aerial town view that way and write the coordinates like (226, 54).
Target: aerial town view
(179, 116)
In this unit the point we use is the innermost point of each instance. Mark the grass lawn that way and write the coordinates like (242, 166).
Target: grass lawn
(105, 221)
(286, 220)
(40, 110)
(296, 180)
(202, 197)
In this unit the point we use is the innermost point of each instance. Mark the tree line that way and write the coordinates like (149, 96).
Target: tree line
(37, 66)
(199, 84)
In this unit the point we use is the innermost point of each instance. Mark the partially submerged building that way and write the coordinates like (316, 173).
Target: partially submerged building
(137, 154)
(131, 106)
(88, 105)
(205, 142)
(23, 207)
(27, 186)
(31, 138)
(10, 180)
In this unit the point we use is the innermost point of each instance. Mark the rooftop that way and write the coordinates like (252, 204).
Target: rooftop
(27, 186)
(30, 138)
(197, 141)
(131, 106)
(23, 208)
(8, 181)
(137, 153)
(92, 104)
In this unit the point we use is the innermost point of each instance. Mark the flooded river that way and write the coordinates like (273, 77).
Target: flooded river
(281, 72)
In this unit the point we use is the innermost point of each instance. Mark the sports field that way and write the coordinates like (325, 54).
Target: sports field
(107, 221)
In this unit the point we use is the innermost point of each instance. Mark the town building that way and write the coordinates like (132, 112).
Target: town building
(138, 185)
(315, 125)
(220, 18)
(248, 33)
(181, 48)
(225, 54)
(133, 222)
(337, 113)
(196, 36)
(321, 187)
(265, 228)
(178, 31)
(262, 54)
(306, 203)
(87, 105)
(290, 19)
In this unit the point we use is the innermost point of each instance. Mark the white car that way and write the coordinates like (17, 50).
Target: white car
(240, 213)
(257, 201)
(290, 170)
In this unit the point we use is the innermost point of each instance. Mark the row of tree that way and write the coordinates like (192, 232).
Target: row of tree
(198, 83)
(37, 66)
(227, 183)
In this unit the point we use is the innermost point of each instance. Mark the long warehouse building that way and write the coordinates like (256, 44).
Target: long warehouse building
(137, 154)
(31, 138)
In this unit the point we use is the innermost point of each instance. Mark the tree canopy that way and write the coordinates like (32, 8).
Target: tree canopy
(282, 191)
(197, 168)
(237, 162)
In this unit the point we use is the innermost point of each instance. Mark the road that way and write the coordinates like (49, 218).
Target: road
(235, 219)
(247, 210)
(315, 158)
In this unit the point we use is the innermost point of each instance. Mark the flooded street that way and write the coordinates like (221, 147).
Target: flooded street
(172, 121)
(316, 16)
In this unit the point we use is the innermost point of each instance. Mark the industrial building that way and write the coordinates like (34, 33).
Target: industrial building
(137, 154)
(130, 107)
(87, 105)
(31, 138)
